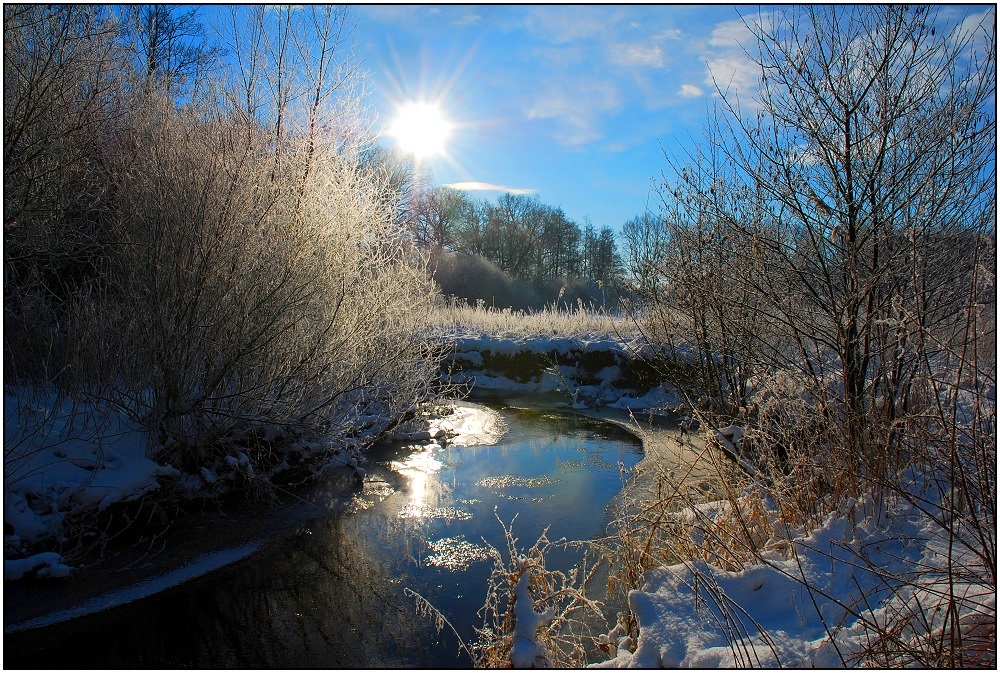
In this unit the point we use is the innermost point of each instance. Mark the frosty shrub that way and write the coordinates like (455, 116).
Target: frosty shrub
(203, 247)
(254, 299)
(826, 258)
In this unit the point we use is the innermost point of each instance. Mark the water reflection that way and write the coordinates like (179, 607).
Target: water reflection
(416, 468)
(330, 594)
(455, 553)
(320, 599)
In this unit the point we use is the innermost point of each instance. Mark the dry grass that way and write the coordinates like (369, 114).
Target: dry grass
(559, 602)
(939, 611)
(458, 317)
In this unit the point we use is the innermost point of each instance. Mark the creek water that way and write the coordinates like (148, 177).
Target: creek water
(327, 591)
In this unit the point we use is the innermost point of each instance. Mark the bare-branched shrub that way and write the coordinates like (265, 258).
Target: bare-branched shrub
(533, 617)
(206, 252)
(827, 261)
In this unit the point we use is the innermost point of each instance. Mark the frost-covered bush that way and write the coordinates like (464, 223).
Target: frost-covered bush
(249, 297)
(220, 266)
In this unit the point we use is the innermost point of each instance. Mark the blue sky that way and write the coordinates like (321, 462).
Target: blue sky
(574, 103)
(571, 103)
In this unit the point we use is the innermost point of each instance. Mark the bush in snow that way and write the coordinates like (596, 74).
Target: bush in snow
(830, 271)
(226, 272)
(252, 270)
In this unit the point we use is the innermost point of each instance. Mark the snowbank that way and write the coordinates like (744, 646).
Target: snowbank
(468, 425)
(592, 372)
(866, 565)
(61, 457)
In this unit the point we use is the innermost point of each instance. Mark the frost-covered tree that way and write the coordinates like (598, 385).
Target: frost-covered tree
(870, 141)
(848, 193)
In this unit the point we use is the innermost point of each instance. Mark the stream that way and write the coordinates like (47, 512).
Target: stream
(323, 587)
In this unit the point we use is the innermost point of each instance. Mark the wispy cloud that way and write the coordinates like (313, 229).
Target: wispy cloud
(731, 34)
(669, 34)
(475, 186)
(467, 20)
(576, 110)
(729, 67)
(975, 28)
(635, 55)
(690, 91)
(732, 72)
(566, 24)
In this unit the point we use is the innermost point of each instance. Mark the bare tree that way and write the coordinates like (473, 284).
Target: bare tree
(168, 46)
(870, 142)
(437, 213)
(835, 238)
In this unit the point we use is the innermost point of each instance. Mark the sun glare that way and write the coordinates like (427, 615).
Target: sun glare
(420, 129)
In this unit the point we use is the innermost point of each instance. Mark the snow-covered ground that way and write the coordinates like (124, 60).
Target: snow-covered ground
(815, 598)
(62, 458)
(810, 602)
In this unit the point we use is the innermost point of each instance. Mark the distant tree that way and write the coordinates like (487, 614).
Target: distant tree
(515, 222)
(168, 46)
(559, 245)
(438, 214)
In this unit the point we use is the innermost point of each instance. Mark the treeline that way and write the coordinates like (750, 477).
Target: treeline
(514, 251)
(203, 243)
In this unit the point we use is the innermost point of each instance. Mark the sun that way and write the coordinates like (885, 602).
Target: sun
(420, 129)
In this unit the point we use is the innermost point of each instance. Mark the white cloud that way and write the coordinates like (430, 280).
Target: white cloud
(732, 72)
(467, 20)
(476, 186)
(690, 91)
(730, 34)
(576, 110)
(977, 27)
(729, 66)
(669, 34)
(637, 55)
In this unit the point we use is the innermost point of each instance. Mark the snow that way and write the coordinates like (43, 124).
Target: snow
(526, 651)
(701, 616)
(46, 564)
(468, 425)
(203, 565)
(658, 398)
(61, 457)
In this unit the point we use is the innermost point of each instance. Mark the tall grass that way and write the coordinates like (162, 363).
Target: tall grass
(458, 317)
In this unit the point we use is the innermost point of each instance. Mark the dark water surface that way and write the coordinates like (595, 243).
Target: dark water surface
(329, 591)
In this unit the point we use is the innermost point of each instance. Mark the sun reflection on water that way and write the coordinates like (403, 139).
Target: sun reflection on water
(417, 467)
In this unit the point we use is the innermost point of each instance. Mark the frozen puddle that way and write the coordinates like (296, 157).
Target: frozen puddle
(197, 568)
